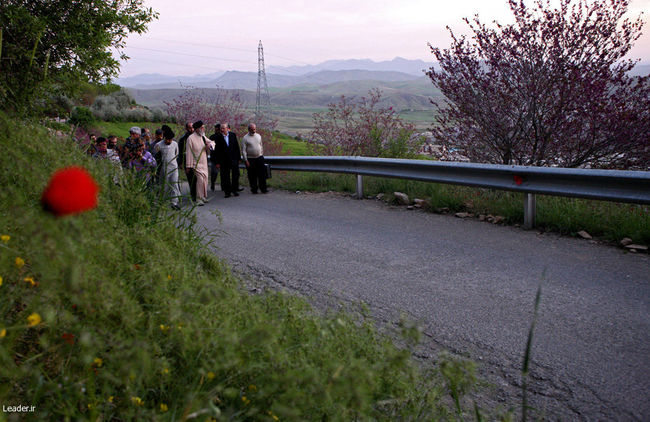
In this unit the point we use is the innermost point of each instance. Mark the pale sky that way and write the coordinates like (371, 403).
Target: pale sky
(203, 36)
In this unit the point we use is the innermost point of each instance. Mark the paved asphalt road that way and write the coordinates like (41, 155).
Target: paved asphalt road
(469, 284)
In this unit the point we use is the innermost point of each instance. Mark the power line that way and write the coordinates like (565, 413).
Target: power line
(314, 79)
(191, 55)
(227, 48)
(166, 62)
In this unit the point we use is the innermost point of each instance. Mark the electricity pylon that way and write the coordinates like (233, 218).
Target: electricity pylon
(263, 105)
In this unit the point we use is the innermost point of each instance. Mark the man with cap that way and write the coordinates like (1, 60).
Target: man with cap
(196, 161)
(131, 142)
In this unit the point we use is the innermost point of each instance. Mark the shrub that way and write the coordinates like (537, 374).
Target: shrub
(82, 116)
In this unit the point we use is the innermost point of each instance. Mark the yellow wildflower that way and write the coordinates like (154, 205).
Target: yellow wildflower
(137, 401)
(34, 319)
(90, 406)
(19, 262)
(169, 277)
(164, 328)
(165, 371)
(252, 387)
(5, 238)
(0, 280)
(3, 333)
(211, 375)
(110, 399)
(163, 407)
(98, 362)
(245, 400)
(30, 280)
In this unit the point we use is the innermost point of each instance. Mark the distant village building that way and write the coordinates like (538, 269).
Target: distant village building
(431, 147)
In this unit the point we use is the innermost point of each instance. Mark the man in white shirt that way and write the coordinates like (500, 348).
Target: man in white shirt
(253, 153)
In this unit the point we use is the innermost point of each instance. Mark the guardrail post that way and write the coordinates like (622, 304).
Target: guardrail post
(529, 211)
(359, 186)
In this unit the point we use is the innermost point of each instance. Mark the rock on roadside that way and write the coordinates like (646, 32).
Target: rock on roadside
(583, 234)
(401, 198)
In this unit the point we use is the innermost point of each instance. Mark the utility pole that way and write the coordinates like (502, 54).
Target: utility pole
(263, 105)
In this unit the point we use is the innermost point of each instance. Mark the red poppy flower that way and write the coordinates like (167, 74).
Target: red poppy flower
(518, 179)
(71, 190)
(68, 338)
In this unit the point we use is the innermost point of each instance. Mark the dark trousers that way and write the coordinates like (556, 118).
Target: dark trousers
(214, 172)
(229, 179)
(257, 174)
(191, 179)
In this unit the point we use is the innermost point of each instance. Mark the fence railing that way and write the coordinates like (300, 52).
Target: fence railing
(607, 185)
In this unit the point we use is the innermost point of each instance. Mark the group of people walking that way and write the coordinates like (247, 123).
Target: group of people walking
(201, 159)
(221, 153)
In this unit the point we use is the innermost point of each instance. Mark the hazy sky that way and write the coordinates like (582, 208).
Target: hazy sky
(203, 36)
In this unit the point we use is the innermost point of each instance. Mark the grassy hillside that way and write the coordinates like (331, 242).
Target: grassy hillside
(123, 313)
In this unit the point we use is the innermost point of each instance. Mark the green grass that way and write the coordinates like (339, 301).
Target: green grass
(292, 146)
(140, 321)
(607, 220)
(121, 129)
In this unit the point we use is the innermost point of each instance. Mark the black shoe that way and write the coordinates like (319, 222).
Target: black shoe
(235, 193)
(212, 188)
(227, 195)
(265, 191)
(240, 189)
(254, 192)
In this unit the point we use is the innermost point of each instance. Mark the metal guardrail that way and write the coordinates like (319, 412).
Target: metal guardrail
(607, 185)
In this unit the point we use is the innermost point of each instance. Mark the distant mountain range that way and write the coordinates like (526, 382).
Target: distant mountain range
(398, 64)
(415, 93)
(402, 82)
(156, 80)
(330, 71)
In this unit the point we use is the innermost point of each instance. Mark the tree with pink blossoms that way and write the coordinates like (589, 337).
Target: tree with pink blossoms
(222, 106)
(211, 107)
(552, 88)
(362, 127)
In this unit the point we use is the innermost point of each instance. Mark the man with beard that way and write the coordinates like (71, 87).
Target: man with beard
(196, 162)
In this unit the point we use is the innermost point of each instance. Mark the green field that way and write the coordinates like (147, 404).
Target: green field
(121, 129)
(299, 120)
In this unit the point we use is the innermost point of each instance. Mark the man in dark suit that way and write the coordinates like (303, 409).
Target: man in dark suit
(228, 156)
(189, 129)
(213, 158)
